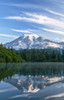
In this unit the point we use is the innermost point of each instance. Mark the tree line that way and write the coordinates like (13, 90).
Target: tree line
(43, 55)
(30, 55)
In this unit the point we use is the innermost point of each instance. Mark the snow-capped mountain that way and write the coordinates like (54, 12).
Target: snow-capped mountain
(32, 41)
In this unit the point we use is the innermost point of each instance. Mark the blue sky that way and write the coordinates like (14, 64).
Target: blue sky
(42, 17)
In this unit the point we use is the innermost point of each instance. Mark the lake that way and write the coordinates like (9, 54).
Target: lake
(32, 81)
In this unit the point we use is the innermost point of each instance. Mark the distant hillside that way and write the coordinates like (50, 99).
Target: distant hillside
(8, 56)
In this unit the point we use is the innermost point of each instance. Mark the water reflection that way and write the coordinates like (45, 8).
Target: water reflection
(32, 77)
(32, 83)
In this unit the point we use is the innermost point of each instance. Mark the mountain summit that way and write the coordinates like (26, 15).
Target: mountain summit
(32, 41)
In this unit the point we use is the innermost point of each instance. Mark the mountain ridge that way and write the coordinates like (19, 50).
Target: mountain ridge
(33, 41)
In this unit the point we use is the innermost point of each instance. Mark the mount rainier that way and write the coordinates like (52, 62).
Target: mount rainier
(33, 41)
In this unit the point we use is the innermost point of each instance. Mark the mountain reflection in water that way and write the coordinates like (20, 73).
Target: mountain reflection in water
(32, 77)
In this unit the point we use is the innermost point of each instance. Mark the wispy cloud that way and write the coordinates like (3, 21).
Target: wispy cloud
(54, 31)
(55, 13)
(18, 96)
(8, 35)
(39, 19)
(14, 17)
(22, 31)
(7, 90)
(55, 96)
(36, 6)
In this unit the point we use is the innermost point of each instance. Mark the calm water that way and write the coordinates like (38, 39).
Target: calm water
(32, 81)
